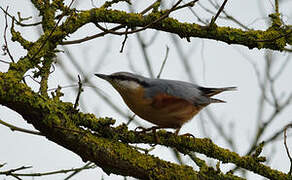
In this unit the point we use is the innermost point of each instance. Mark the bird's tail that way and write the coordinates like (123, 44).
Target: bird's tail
(213, 91)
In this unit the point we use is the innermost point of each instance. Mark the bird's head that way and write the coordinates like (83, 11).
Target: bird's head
(124, 81)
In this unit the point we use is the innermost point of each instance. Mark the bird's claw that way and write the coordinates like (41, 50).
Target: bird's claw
(153, 129)
(188, 135)
(143, 130)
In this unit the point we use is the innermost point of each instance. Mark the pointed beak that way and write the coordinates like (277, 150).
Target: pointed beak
(103, 76)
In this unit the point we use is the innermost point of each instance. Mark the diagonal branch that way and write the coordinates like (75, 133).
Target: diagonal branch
(250, 38)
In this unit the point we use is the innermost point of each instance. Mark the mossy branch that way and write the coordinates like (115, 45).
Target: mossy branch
(105, 145)
(57, 121)
(61, 123)
(271, 38)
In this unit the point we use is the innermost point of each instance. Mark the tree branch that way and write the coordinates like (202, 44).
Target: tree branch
(249, 38)
(104, 147)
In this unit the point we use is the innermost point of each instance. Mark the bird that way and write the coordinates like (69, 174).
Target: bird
(165, 103)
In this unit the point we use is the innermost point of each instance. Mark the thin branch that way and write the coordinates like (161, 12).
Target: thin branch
(15, 128)
(281, 69)
(3, 61)
(79, 170)
(227, 15)
(183, 58)
(277, 6)
(269, 63)
(286, 147)
(235, 20)
(163, 63)
(131, 118)
(177, 156)
(5, 39)
(18, 22)
(197, 16)
(152, 39)
(31, 78)
(125, 39)
(91, 37)
(145, 55)
(11, 172)
(80, 90)
(218, 13)
(104, 33)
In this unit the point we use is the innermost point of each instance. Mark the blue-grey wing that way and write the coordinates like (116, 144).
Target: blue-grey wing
(184, 90)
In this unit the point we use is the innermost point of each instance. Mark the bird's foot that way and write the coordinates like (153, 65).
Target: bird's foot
(188, 135)
(143, 130)
(153, 129)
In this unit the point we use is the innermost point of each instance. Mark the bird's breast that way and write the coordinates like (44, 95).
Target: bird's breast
(163, 110)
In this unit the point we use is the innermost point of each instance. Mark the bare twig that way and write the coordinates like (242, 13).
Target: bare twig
(11, 172)
(145, 55)
(78, 170)
(163, 63)
(177, 155)
(91, 37)
(104, 33)
(125, 39)
(277, 6)
(18, 22)
(80, 90)
(281, 69)
(5, 39)
(187, 66)
(275, 136)
(3, 61)
(286, 147)
(227, 15)
(198, 17)
(131, 119)
(31, 78)
(152, 39)
(218, 13)
(15, 128)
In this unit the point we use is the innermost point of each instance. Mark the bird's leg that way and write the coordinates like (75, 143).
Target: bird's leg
(153, 129)
(177, 131)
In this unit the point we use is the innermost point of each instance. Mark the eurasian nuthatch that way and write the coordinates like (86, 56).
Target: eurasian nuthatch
(166, 103)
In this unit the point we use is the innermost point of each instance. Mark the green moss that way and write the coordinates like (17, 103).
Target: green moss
(276, 20)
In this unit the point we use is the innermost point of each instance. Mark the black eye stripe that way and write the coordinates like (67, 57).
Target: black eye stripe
(121, 77)
(128, 78)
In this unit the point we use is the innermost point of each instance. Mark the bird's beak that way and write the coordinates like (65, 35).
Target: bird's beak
(103, 76)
